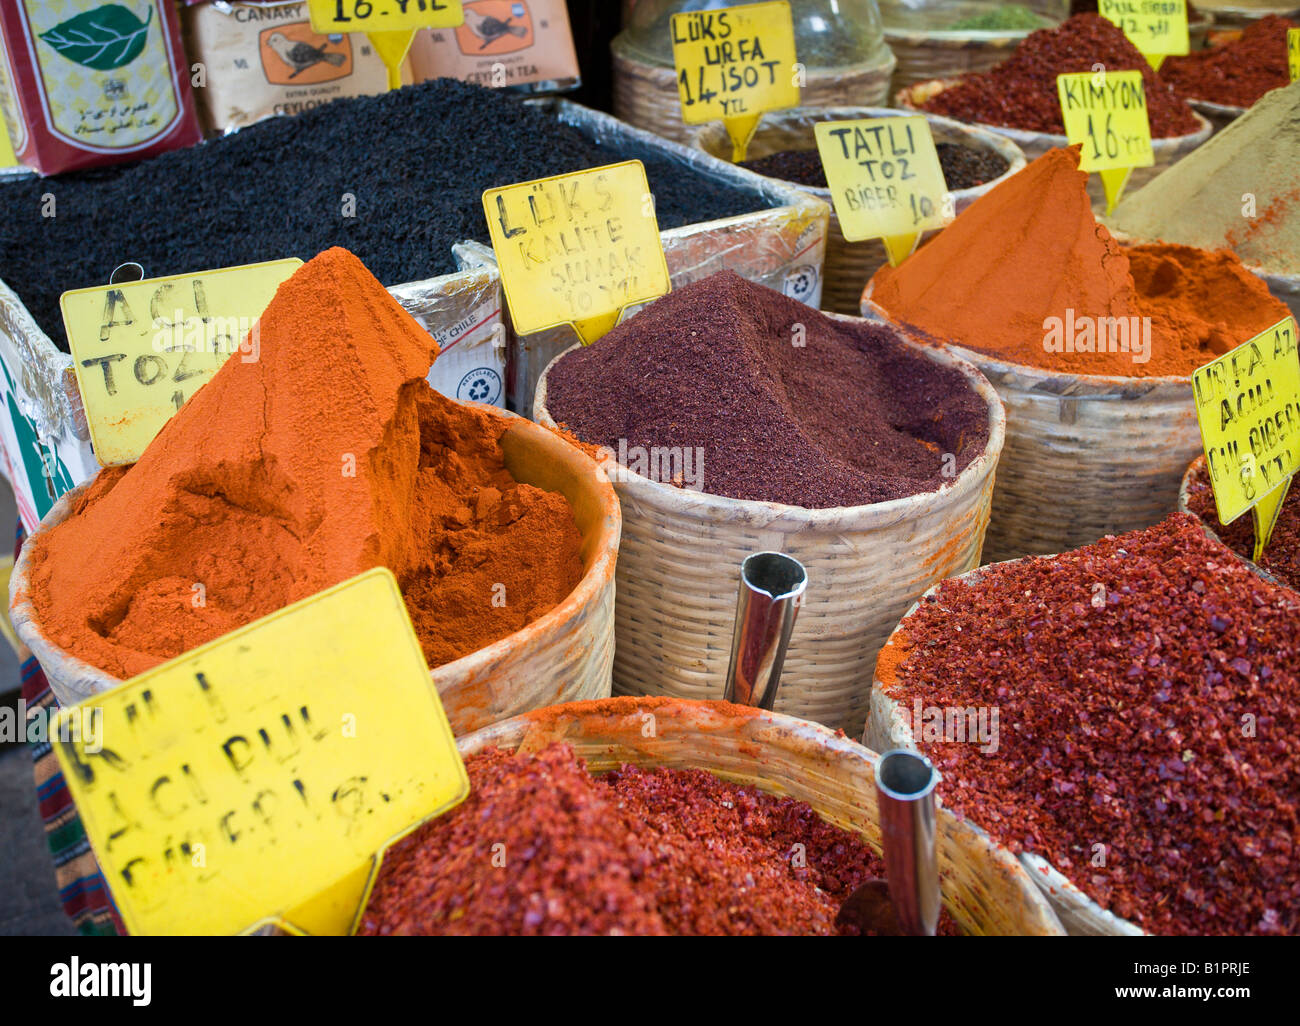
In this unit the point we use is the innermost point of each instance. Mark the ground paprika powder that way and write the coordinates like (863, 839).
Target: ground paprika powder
(1027, 275)
(321, 457)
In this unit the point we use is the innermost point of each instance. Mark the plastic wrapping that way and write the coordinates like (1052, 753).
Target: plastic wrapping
(46, 441)
(782, 247)
(850, 265)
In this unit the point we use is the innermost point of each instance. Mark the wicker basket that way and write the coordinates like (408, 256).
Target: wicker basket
(565, 655)
(645, 95)
(1086, 455)
(923, 56)
(850, 265)
(1240, 16)
(679, 565)
(1034, 144)
(983, 887)
(887, 727)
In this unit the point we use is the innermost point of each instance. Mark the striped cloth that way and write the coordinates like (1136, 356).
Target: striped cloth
(85, 897)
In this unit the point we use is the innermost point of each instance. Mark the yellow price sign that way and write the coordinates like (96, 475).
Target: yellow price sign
(578, 248)
(1248, 407)
(1106, 112)
(885, 180)
(1293, 53)
(140, 349)
(1158, 28)
(260, 777)
(389, 24)
(734, 63)
(8, 158)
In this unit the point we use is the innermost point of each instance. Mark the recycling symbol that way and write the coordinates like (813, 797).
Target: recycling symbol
(481, 385)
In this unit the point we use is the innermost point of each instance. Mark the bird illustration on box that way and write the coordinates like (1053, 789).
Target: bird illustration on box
(301, 55)
(490, 29)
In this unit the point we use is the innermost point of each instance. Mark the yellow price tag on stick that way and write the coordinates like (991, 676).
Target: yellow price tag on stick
(733, 64)
(140, 349)
(1248, 407)
(578, 248)
(1293, 53)
(261, 776)
(885, 180)
(390, 25)
(1106, 111)
(1158, 28)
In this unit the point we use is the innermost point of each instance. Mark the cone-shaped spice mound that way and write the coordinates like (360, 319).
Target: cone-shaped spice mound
(321, 456)
(772, 400)
(1026, 274)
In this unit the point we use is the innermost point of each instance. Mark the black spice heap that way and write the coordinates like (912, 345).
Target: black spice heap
(397, 179)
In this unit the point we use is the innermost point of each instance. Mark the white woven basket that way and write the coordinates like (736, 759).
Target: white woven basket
(887, 727)
(564, 655)
(678, 574)
(983, 887)
(1086, 455)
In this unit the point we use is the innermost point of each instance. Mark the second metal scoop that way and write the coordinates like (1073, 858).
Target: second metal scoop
(908, 903)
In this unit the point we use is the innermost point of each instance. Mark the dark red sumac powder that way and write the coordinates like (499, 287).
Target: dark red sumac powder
(1238, 73)
(541, 847)
(1021, 91)
(1148, 690)
(781, 402)
(1282, 554)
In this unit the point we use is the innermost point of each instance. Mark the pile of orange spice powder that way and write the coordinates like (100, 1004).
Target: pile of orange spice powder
(1027, 275)
(324, 456)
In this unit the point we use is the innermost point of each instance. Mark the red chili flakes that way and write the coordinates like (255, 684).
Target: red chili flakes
(1149, 747)
(541, 847)
(1281, 555)
(1237, 73)
(1021, 91)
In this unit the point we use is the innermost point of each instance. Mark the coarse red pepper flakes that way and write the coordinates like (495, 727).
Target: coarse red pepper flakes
(1282, 553)
(541, 847)
(1238, 73)
(1148, 698)
(1021, 91)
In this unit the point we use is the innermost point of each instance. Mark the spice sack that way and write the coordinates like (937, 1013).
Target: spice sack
(260, 59)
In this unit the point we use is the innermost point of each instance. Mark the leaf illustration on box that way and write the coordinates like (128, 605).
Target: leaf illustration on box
(103, 39)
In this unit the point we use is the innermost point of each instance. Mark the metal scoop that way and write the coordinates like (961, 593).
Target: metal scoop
(772, 586)
(908, 904)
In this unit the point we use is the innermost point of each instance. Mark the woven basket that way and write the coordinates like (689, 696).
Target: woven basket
(923, 56)
(1086, 455)
(1239, 16)
(850, 265)
(679, 570)
(887, 727)
(645, 95)
(984, 889)
(565, 655)
(1168, 152)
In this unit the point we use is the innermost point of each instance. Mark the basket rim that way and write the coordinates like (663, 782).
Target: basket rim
(1161, 145)
(721, 509)
(1002, 145)
(1047, 383)
(27, 625)
(779, 730)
